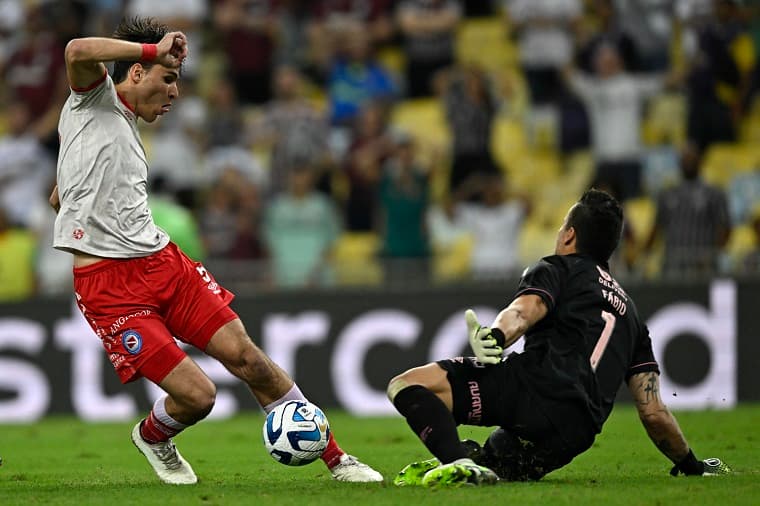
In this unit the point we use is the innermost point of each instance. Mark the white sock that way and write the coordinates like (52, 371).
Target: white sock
(294, 394)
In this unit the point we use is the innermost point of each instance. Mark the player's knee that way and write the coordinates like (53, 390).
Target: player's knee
(201, 399)
(397, 384)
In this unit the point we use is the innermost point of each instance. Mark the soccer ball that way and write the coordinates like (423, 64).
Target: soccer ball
(296, 433)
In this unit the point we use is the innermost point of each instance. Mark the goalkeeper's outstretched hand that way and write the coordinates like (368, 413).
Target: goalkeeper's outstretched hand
(485, 342)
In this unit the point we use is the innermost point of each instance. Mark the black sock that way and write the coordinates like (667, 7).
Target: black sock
(432, 421)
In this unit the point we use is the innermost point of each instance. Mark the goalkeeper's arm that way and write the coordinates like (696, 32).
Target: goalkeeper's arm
(663, 429)
(488, 342)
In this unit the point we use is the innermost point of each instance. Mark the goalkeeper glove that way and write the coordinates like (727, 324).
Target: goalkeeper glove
(690, 466)
(486, 343)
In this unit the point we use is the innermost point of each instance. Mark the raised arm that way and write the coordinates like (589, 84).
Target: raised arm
(85, 57)
(488, 343)
(514, 320)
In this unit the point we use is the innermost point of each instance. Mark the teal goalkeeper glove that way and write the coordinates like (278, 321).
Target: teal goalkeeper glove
(485, 342)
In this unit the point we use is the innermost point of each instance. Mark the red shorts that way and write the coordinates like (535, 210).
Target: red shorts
(137, 306)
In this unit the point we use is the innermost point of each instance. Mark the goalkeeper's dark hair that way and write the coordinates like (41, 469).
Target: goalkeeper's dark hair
(136, 29)
(598, 222)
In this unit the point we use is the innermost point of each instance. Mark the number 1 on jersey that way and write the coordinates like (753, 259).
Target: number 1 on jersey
(604, 339)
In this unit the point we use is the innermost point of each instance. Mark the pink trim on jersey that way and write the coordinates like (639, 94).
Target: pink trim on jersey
(642, 365)
(124, 101)
(92, 86)
(535, 290)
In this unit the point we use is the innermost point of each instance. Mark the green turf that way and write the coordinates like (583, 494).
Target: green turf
(62, 461)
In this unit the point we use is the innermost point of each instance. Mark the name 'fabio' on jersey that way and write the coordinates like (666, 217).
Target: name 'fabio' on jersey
(591, 339)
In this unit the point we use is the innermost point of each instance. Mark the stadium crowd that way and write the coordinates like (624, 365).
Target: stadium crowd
(362, 142)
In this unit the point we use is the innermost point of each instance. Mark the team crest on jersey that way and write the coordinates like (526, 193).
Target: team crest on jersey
(132, 341)
(77, 233)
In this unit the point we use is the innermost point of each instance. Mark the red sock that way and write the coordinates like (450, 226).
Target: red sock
(153, 431)
(333, 452)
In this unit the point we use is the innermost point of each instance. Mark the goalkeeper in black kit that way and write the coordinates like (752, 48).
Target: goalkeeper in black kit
(583, 338)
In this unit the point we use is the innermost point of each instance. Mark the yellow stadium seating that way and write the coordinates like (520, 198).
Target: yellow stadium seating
(665, 120)
(536, 240)
(741, 242)
(354, 259)
(529, 171)
(724, 161)
(425, 119)
(640, 214)
(484, 41)
(453, 261)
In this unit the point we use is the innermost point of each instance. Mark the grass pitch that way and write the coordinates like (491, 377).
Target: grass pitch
(62, 461)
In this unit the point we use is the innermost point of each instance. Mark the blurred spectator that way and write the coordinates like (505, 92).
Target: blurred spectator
(479, 8)
(429, 30)
(370, 148)
(450, 241)
(25, 167)
(230, 219)
(178, 150)
(175, 219)
(183, 15)
(751, 261)
(294, 129)
(404, 200)
(301, 226)
(330, 18)
(495, 221)
(721, 63)
(225, 124)
(743, 195)
(34, 73)
(356, 78)
(693, 220)
(650, 25)
(610, 30)
(17, 248)
(471, 107)
(52, 266)
(615, 100)
(11, 23)
(293, 43)
(545, 31)
(248, 30)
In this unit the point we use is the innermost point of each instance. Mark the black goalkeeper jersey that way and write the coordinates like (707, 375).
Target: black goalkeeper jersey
(590, 340)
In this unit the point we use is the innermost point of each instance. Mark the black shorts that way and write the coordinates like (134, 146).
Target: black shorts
(527, 444)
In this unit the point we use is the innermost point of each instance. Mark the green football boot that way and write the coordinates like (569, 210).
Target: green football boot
(458, 473)
(412, 474)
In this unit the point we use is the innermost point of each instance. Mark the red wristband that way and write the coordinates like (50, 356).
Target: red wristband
(149, 52)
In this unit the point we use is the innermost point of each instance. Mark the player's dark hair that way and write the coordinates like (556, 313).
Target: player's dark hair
(136, 29)
(598, 222)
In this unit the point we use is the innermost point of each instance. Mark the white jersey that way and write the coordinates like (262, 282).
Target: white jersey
(103, 178)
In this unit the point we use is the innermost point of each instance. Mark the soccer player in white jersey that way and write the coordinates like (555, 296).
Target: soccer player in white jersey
(134, 286)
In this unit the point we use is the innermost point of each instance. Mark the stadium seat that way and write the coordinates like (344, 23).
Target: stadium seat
(536, 240)
(484, 41)
(425, 120)
(741, 242)
(507, 138)
(723, 161)
(354, 259)
(453, 262)
(665, 120)
(530, 171)
(640, 214)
